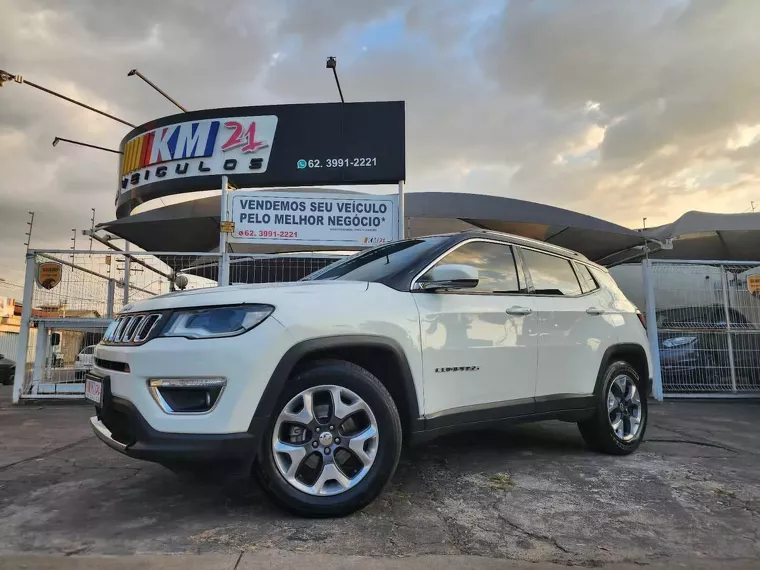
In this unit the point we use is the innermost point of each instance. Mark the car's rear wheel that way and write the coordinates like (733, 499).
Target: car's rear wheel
(333, 442)
(620, 420)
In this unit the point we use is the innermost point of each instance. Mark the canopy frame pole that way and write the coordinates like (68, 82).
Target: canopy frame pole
(401, 219)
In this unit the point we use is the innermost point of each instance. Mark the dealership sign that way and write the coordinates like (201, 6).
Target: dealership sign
(350, 220)
(278, 145)
(197, 148)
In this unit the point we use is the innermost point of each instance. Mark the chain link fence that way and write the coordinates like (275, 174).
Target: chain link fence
(707, 327)
(80, 292)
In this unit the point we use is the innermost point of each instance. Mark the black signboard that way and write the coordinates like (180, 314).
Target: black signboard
(268, 146)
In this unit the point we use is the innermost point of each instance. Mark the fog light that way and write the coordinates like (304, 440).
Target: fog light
(186, 395)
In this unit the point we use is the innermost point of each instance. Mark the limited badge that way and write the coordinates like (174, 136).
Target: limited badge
(49, 274)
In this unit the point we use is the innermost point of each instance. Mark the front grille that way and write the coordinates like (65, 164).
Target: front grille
(131, 329)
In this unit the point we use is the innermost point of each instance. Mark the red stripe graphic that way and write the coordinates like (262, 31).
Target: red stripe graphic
(147, 147)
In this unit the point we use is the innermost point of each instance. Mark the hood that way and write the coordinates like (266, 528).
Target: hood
(268, 293)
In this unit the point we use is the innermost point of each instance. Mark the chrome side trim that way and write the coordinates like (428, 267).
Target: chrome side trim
(132, 329)
(155, 392)
(417, 286)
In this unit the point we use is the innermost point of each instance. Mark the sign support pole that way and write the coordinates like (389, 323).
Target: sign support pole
(127, 267)
(401, 219)
(224, 260)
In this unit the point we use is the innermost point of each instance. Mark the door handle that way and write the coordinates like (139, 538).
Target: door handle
(519, 311)
(594, 311)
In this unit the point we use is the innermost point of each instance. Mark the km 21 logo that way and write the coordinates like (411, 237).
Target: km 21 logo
(198, 148)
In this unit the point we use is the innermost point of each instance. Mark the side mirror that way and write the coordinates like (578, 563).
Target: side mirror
(449, 277)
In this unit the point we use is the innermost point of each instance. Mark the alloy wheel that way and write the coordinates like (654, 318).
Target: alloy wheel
(624, 410)
(325, 440)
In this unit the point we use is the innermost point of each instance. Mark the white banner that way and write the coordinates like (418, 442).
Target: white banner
(351, 220)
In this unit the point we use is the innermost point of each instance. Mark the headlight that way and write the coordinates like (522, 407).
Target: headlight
(678, 341)
(216, 322)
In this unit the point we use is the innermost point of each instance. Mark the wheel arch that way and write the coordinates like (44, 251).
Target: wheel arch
(381, 356)
(633, 354)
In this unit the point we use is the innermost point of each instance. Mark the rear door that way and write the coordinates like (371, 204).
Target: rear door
(575, 328)
(479, 346)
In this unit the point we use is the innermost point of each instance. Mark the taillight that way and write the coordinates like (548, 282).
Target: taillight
(641, 319)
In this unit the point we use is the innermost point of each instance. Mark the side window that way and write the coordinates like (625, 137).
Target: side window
(588, 283)
(551, 275)
(89, 350)
(495, 264)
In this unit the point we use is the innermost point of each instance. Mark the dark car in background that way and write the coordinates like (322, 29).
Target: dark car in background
(694, 349)
(7, 370)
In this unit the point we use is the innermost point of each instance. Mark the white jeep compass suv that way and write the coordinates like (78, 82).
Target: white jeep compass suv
(313, 386)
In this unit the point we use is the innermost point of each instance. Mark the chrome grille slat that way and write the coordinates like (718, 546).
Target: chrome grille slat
(128, 323)
(140, 326)
(150, 323)
(132, 329)
(119, 329)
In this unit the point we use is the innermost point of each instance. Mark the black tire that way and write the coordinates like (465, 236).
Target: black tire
(372, 391)
(8, 379)
(597, 431)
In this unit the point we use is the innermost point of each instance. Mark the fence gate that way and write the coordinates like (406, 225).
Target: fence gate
(67, 312)
(703, 321)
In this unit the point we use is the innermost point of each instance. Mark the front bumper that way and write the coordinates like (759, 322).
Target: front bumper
(120, 425)
(246, 362)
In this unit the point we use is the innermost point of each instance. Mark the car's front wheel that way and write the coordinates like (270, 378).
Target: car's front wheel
(333, 442)
(620, 420)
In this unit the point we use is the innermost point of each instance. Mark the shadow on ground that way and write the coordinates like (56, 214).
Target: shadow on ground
(529, 493)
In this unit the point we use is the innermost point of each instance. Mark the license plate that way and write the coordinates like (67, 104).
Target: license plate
(93, 391)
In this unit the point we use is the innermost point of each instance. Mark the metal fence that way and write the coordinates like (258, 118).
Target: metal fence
(703, 321)
(8, 344)
(72, 315)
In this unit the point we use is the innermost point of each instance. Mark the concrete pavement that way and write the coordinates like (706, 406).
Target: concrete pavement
(528, 494)
(280, 560)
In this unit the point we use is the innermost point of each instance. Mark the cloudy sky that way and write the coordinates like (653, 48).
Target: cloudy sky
(619, 109)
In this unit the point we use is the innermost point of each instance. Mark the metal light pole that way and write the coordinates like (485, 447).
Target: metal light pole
(5, 76)
(332, 63)
(56, 140)
(149, 82)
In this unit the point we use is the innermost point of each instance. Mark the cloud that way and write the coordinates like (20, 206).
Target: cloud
(618, 109)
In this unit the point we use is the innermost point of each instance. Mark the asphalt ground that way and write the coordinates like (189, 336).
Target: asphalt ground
(530, 494)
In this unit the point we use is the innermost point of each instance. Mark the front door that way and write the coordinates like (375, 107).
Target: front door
(480, 345)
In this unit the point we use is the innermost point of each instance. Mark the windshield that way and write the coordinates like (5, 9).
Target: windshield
(377, 263)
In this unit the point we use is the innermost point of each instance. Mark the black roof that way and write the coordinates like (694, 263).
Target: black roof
(194, 225)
